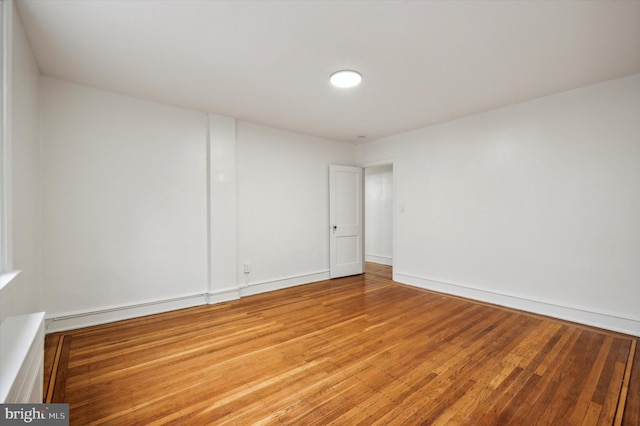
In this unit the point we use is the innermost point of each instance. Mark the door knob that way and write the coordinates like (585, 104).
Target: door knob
(334, 227)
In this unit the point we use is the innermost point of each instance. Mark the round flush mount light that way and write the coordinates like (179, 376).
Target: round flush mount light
(345, 79)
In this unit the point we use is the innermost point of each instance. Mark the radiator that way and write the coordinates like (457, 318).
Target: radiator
(22, 358)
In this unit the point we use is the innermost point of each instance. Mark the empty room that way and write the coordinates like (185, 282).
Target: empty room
(320, 212)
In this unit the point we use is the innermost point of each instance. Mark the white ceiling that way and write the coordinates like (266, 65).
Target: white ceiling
(268, 62)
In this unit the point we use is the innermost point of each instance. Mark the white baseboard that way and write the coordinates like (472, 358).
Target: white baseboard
(72, 320)
(575, 314)
(224, 295)
(383, 260)
(78, 319)
(278, 284)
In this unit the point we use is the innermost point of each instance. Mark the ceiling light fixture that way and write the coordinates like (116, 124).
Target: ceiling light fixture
(345, 79)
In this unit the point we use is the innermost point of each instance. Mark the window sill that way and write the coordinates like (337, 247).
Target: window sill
(6, 279)
(21, 355)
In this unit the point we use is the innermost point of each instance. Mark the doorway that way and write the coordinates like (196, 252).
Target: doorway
(378, 220)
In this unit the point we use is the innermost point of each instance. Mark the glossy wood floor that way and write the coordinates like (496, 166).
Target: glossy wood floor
(358, 350)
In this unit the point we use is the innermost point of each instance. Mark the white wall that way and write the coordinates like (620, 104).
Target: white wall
(378, 214)
(149, 208)
(125, 202)
(24, 293)
(534, 206)
(223, 219)
(283, 205)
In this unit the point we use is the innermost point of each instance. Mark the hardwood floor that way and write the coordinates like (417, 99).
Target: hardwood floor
(357, 350)
(378, 270)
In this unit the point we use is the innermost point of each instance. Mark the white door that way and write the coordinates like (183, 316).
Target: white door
(345, 221)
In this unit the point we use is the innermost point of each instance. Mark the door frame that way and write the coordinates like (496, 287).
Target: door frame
(394, 217)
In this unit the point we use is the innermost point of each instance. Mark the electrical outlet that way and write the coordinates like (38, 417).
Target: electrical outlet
(247, 267)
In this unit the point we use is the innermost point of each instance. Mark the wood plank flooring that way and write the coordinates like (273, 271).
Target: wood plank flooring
(378, 270)
(357, 350)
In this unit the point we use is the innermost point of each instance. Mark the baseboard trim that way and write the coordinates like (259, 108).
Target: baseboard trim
(574, 314)
(383, 260)
(281, 283)
(224, 295)
(71, 320)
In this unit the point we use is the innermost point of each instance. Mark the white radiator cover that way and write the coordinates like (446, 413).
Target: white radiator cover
(22, 358)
